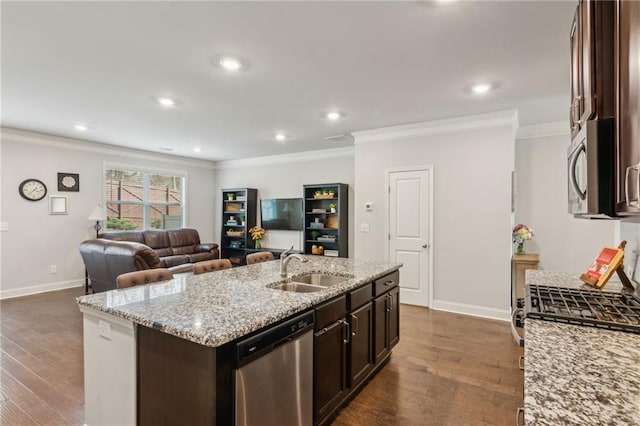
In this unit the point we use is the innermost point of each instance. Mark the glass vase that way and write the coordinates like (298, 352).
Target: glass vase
(258, 244)
(520, 249)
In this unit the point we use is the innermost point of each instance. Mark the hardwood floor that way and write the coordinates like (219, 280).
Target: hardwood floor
(448, 369)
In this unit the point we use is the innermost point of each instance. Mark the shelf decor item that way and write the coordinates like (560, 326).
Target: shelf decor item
(332, 207)
(257, 234)
(521, 233)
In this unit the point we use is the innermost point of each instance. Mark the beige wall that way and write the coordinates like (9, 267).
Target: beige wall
(39, 240)
(564, 243)
(472, 161)
(283, 177)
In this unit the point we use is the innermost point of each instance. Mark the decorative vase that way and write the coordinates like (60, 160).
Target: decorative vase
(520, 249)
(258, 244)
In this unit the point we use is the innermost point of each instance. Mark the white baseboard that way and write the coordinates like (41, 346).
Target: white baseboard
(41, 288)
(476, 311)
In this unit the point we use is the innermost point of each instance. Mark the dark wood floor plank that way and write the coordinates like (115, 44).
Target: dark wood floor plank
(448, 369)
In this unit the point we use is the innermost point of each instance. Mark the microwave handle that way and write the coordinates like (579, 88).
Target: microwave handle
(636, 203)
(574, 180)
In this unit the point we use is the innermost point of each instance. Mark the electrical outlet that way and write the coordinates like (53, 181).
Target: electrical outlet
(53, 269)
(104, 329)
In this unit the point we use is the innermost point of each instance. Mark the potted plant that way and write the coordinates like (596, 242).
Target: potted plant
(332, 207)
(332, 193)
(325, 192)
(315, 234)
(242, 217)
(230, 196)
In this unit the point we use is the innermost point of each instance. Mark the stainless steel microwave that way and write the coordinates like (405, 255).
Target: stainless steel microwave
(591, 170)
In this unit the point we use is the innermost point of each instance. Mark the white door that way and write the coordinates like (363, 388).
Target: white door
(410, 231)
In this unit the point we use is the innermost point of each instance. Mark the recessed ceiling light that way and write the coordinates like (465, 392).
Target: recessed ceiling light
(232, 64)
(197, 149)
(81, 127)
(481, 88)
(333, 115)
(281, 137)
(166, 102)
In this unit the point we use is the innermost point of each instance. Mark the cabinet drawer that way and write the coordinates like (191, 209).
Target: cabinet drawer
(331, 311)
(386, 283)
(359, 297)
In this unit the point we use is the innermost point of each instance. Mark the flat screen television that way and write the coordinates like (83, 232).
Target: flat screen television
(282, 213)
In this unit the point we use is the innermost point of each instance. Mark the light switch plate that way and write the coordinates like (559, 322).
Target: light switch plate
(364, 227)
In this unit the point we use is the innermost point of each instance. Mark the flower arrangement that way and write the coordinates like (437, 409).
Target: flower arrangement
(257, 233)
(521, 233)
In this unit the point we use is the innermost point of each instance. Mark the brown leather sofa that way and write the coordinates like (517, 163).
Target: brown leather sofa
(116, 253)
(173, 247)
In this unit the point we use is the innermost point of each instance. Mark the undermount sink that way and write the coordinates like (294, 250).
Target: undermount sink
(309, 283)
(298, 287)
(322, 280)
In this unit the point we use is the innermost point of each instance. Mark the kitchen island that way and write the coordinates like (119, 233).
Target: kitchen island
(578, 375)
(197, 319)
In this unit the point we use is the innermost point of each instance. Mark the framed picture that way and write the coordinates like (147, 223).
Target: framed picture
(68, 182)
(58, 204)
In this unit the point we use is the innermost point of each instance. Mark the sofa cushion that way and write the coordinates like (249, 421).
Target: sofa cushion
(133, 236)
(169, 261)
(183, 241)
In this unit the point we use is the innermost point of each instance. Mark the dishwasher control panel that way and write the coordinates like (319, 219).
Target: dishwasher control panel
(273, 336)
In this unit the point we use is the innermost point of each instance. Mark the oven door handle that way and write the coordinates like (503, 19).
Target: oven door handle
(516, 336)
(574, 180)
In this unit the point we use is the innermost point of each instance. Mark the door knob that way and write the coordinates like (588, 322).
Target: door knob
(425, 245)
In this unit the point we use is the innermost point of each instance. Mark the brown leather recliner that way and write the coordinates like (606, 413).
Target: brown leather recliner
(105, 260)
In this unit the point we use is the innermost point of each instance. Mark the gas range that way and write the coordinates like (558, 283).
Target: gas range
(592, 308)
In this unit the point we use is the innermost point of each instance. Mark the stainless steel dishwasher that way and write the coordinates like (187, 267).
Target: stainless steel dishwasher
(274, 375)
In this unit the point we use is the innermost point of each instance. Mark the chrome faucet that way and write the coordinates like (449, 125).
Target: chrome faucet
(285, 258)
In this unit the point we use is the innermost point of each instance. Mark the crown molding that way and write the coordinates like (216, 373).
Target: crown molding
(542, 130)
(43, 139)
(507, 118)
(321, 154)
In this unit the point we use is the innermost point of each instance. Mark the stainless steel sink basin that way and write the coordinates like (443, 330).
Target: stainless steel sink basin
(299, 287)
(322, 280)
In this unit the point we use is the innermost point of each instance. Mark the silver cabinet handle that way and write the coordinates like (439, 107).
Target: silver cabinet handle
(627, 198)
(354, 318)
(389, 283)
(348, 327)
(390, 303)
(519, 411)
(521, 362)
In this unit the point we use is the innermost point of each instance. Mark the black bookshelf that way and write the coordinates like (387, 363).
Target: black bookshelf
(326, 213)
(237, 204)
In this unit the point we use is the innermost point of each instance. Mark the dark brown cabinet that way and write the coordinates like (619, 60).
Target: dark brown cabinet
(386, 315)
(361, 346)
(348, 331)
(592, 63)
(330, 356)
(628, 107)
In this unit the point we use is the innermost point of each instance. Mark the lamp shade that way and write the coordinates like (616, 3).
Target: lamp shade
(97, 214)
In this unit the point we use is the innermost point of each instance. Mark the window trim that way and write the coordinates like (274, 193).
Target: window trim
(106, 165)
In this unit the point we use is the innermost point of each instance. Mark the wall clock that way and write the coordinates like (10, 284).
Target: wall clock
(32, 189)
(69, 182)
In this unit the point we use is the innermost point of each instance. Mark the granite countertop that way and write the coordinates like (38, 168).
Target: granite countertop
(215, 308)
(577, 375)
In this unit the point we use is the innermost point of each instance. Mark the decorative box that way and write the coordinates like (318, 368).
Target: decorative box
(332, 253)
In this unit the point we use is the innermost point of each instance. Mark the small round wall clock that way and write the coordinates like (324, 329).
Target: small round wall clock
(69, 182)
(32, 189)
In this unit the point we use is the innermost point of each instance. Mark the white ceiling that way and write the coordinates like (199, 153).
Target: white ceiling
(381, 63)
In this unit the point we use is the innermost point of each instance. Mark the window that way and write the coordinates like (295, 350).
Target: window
(143, 200)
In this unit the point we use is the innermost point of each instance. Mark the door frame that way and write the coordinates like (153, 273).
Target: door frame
(387, 183)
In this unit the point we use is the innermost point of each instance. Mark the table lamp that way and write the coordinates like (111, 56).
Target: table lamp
(98, 215)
